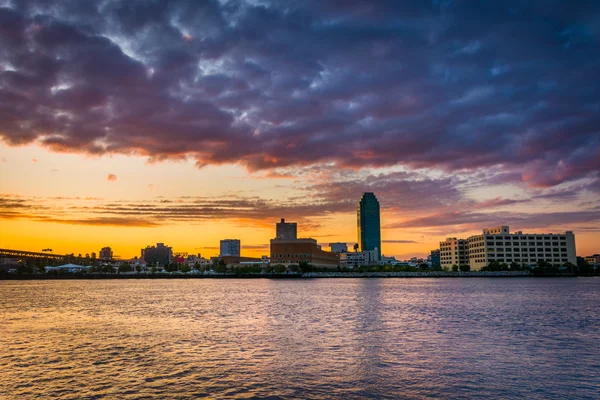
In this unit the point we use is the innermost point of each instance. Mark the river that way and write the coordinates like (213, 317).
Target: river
(479, 338)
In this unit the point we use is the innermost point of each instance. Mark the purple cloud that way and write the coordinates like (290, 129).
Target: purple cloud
(452, 85)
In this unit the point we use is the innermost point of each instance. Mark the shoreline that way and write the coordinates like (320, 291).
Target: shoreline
(308, 275)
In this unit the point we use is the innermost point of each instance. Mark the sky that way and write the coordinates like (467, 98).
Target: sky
(127, 123)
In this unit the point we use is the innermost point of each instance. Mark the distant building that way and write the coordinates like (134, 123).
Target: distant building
(286, 230)
(368, 223)
(193, 260)
(434, 258)
(391, 260)
(338, 247)
(160, 255)
(106, 253)
(230, 247)
(237, 260)
(67, 268)
(359, 258)
(295, 251)
(453, 251)
(593, 260)
(498, 244)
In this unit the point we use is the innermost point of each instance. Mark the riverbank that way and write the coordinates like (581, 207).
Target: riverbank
(306, 275)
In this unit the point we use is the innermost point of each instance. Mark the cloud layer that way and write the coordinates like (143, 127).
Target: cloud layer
(443, 85)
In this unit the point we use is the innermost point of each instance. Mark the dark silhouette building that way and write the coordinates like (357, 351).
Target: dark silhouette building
(159, 255)
(106, 253)
(286, 230)
(368, 222)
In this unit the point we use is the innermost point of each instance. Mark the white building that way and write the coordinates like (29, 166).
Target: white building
(359, 258)
(68, 268)
(523, 248)
(498, 244)
(230, 247)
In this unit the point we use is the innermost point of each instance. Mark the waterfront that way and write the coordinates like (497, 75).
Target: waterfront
(350, 338)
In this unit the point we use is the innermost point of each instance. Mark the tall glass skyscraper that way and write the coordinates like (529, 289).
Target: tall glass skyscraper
(369, 229)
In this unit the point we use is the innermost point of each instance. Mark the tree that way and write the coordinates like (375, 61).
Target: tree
(124, 267)
(515, 266)
(542, 267)
(280, 269)
(424, 266)
(465, 268)
(269, 269)
(294, 268)
(220, 266)
(454, 268)
(24, 269)
(153, 270)
(185, 268)
(304, 266)
(107, 269)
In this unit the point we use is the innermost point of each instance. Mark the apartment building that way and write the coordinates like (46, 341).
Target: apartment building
(499, 244)
(359, 258)
(453, 251)
(523, 248)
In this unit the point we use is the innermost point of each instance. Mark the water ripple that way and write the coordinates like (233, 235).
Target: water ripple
(350, 338)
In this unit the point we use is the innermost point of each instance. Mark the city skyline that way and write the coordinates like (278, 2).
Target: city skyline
(124, 124)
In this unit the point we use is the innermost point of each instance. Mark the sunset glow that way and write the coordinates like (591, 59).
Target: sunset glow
(187, 125)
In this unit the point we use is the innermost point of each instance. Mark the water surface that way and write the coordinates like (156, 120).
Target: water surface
(322, 338)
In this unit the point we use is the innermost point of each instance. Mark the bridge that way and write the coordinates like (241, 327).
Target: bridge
(6, 253)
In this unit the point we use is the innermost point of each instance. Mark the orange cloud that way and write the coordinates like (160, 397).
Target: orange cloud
(112, 178)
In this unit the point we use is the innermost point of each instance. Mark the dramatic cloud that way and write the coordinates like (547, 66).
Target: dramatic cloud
(442, 85)
(111, 178)
(462, 221)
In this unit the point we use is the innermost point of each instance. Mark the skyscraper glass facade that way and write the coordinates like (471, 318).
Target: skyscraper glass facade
(369, 229)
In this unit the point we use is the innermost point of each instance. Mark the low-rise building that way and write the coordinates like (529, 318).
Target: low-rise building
(593, 260)
(498, 244)
(338, 247)
(453, 252)
(237, 260)
(359, 258)
(295, 251)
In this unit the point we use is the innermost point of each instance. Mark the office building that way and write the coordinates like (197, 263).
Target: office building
(434, 258)
(295, 251)
(359, 258)
(453, 251)
(230, 248)
(338, 247)
(106, 253)
(498, 244)
(286, 230)
(527, 249)
(368, 224)
(157, 256)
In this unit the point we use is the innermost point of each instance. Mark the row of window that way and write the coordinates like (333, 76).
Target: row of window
(518, 260)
